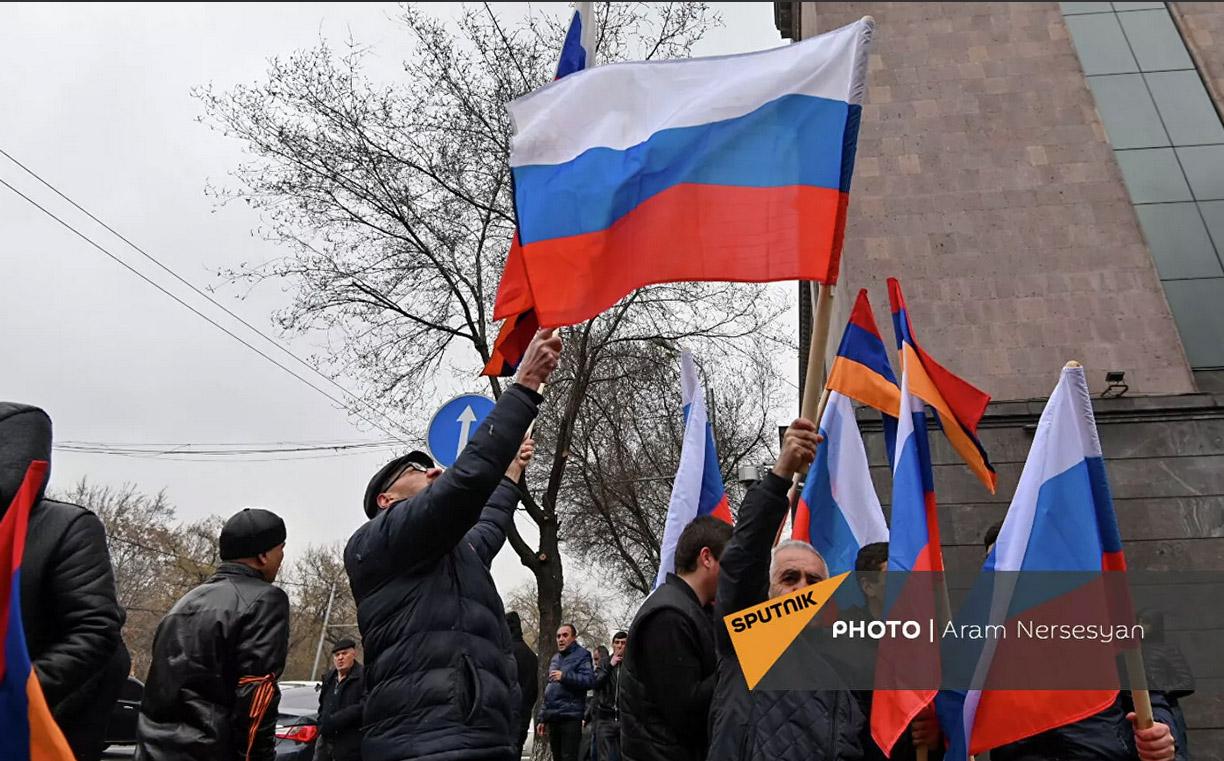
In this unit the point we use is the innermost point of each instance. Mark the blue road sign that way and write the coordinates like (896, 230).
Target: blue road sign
(454, 424)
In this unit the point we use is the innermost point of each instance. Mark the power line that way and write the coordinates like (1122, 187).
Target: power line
(237, 455)
(194, 450)
(200, 314)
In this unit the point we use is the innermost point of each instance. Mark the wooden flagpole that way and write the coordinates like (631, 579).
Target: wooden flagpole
(815, 396)
(1136, 675)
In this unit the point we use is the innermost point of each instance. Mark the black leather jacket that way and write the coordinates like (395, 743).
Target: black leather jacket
(69, 609)
(212, 690)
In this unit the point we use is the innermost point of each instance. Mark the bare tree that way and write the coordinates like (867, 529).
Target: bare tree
(595, 616)
(627, 449)
(309, 582)
(156, 560)
(393, 204)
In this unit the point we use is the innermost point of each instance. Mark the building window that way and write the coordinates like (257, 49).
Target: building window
(1169, 141)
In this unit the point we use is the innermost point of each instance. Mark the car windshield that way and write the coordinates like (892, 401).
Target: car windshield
(299, 700)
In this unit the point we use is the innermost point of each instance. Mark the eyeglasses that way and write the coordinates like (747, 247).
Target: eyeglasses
(410, 465)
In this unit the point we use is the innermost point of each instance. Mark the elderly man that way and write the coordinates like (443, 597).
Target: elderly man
(218, 654)
(440, 670)
(341, 700)
(797, 725)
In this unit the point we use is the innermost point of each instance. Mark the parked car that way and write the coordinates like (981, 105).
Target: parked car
(121, 730)
(297, 721)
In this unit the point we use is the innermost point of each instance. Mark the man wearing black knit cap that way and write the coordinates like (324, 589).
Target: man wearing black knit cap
(440, 673)
(218, 653)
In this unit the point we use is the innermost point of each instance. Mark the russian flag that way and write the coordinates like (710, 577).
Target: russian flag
(958, 405)
(913, 548)
(728, 168)
(838, 511)
(698, 487)
(514, 304)
(28, 732)
(1060, 519)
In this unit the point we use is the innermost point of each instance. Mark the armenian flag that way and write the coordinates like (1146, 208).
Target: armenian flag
(28, 732)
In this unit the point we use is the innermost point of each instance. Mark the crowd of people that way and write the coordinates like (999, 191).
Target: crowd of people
(446, 673)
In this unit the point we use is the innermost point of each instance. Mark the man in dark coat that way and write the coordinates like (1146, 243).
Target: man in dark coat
(528, 664)
(341, 701)
(668, 677)
(69, 609)
(440, 674)
(570, 675)
(784, 725)
(212, 691)
(605, 693)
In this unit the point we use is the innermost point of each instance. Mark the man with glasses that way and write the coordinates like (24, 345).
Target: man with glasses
(440, 672)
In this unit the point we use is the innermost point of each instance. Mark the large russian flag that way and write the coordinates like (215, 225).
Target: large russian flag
(838, 511)
(27, 730)
(1060, 519)
(728, 168)
(698, 488)
(514, 304)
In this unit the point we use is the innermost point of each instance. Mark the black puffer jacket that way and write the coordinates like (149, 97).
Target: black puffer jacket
(440, 671)
(566, 699)
(212, 690)
(781, 725)
(69, 610)
(341, 704)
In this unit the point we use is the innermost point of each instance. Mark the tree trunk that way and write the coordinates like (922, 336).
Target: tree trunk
(549, 585)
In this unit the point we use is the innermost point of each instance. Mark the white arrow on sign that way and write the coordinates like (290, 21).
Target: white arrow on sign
(466, 418)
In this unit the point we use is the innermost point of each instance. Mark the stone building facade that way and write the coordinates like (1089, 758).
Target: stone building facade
(1009, 173)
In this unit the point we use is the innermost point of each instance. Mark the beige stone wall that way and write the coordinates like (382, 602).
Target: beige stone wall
(1202, 26)
(984, 181)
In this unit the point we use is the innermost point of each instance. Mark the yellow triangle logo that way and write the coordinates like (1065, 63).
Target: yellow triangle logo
(761, 634)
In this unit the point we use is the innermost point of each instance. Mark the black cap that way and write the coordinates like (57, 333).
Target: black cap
(389, 474)
(344, 644)
(250, 532)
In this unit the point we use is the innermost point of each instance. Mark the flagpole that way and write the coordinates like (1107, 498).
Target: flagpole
(811, 403)
(818, 344)
(1136, 675)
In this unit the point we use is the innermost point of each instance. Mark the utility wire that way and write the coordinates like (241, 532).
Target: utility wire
(200, 314)
(189, 448)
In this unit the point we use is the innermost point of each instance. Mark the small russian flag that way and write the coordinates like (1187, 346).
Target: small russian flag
(698, 488)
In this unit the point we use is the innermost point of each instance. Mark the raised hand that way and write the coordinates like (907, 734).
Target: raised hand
(539, 359)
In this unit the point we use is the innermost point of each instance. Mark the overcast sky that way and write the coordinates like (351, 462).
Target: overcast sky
(95, 99)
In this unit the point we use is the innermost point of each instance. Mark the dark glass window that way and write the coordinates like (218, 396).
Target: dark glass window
(1169, 142)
